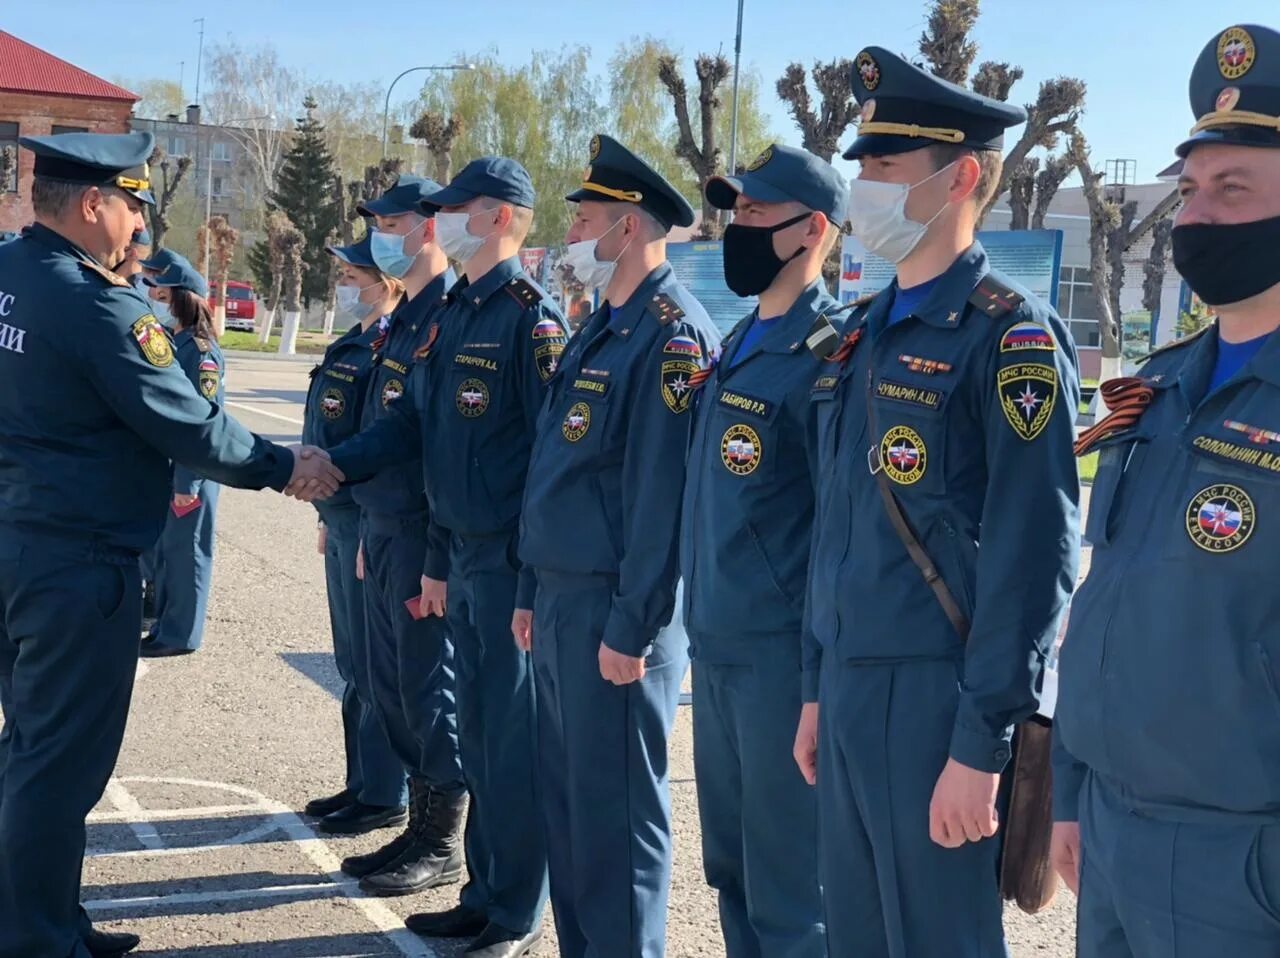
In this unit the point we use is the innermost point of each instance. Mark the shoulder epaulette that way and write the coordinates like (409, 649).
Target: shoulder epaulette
(995, 298)
(202, 344)
(665, 309)
(1177, 343)
(525, 293)
(115, 279)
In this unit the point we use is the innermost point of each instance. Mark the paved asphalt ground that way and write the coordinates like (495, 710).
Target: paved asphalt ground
(198, 845)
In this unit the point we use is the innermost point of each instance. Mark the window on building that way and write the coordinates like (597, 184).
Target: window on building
(1078, 306)
(217, 186)
(9, 145)
(69, 129)
(177, 145)
(221, 151)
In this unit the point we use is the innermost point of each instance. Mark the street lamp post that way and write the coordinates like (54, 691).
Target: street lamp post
(733, 124)
(386, 109)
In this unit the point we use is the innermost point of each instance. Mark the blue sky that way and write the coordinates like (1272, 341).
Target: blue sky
(1135, 55)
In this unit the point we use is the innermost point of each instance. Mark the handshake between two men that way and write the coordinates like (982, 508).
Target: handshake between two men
(314, 475)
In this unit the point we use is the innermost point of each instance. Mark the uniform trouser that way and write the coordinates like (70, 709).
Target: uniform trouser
(759, 817)
(603, 756)
(375, 775)
(888, 890)
(1154, 888)
(497, 728)
(69, 627)
(185, 559)
(149, 564)
(410, 661)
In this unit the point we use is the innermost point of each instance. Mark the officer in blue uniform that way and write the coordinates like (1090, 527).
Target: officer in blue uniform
(470, 412)
(945, 420)
(600, 526)
(92, 408)
(184, 555)
(410, 659)
(744, 555)
(375, 791)
(1167, 775)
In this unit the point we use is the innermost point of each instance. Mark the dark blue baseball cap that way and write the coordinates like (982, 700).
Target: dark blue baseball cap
(1235, 89)
(161, 259)
(616, 175)
(96, 159)
(906, 108)
(183, 276)
(499, 177)
(409, 195)
(783, 174)
(359, 253)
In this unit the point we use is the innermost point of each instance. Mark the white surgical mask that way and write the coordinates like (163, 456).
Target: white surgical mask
(348, 300)
(878, 217)
(452, 235)
(388, 252)
(590, 271)
(162, 313)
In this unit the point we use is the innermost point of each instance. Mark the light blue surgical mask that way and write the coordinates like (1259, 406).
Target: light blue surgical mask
(348, 300)
(162, 313)
(388, 251)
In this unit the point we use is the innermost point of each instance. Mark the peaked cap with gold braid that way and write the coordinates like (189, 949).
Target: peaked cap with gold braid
(1235, 89)
(616, 175)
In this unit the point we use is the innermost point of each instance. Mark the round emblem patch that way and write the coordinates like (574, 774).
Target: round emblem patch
(594, 150)
(577, 421)
(868, 70)
(1227, 99)
(740, 449)
(392, 391)
(472, 398)
(903, 455)
(1220, 518)
(333, 404)
(1236, 53)
(761, 160)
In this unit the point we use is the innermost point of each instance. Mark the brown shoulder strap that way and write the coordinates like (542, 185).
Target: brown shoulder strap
(901, 525)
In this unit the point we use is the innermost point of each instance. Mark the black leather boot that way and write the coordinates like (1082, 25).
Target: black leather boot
(434, 857)
(358, 866)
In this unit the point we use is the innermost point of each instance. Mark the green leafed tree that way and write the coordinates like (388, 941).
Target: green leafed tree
(304, 192)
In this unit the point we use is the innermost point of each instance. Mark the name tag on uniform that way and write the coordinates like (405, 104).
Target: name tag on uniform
(911, 395)
(596, 386)
(744, 403)
(476, 362)
(1239, 454)
(334, 374)
(398, 367)
(824, 387)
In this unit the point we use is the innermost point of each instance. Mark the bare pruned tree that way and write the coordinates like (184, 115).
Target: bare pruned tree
(945, 42)
(1153, 269)
(703, 156)
(821, 129)
(289, 244)
(1022, 192)
(439, 134)
(1048, 181)
(220, 239)
(171, 173)
(1104, 218)
(8, 166)
(276, 225)
(1055, 112)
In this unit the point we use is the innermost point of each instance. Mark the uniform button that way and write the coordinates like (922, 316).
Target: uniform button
(1002, 754)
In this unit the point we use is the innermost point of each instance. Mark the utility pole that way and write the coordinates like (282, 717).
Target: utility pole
(733, 125)
(182, 79)
(199, 57)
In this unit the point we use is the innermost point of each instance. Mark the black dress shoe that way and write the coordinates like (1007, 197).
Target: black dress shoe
(358, 818)
(110, 944)
(320, 807)
(153, 650)
(458, 922)
(498, 942)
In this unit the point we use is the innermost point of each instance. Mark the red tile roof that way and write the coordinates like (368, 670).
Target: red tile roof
(28, 69)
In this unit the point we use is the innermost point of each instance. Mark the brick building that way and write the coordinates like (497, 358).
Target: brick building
(40, 94)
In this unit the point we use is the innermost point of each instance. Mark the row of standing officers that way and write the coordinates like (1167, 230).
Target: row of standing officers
(519, 505)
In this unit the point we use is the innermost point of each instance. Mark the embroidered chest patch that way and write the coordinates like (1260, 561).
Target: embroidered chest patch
(1220, 518)
(903, 455)
(1027, 395)
(576, 421)
(472, 398)
(740, 449)
(153, 342)
(391, 391)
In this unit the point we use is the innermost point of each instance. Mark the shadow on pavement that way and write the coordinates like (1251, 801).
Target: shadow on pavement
(319, 667)
(328, 946)
(252, 393)
(196, 833)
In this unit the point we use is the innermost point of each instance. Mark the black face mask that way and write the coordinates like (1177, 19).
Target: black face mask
(1228, 262)
(750, 264)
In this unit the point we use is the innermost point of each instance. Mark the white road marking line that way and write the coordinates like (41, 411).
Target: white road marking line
(239, 894)
(252, 835)
(384, 920)
(262, 412)
(143, 831)
(173, 814)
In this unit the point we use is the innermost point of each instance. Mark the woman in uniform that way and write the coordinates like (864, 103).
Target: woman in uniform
(375, 792)
(184, 554)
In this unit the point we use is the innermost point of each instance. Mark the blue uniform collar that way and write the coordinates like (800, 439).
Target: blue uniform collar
(56, 241)
(417, 307)
(947, 304)
(1197, 369)
(478, 293)
(628, 314)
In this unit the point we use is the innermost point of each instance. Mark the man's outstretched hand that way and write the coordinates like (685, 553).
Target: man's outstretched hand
(314, 476)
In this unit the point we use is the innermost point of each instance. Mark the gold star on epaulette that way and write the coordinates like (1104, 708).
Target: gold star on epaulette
(665, 309)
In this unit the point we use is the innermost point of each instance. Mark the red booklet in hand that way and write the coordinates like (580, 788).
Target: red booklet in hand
(414, 606)
(181, 511)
